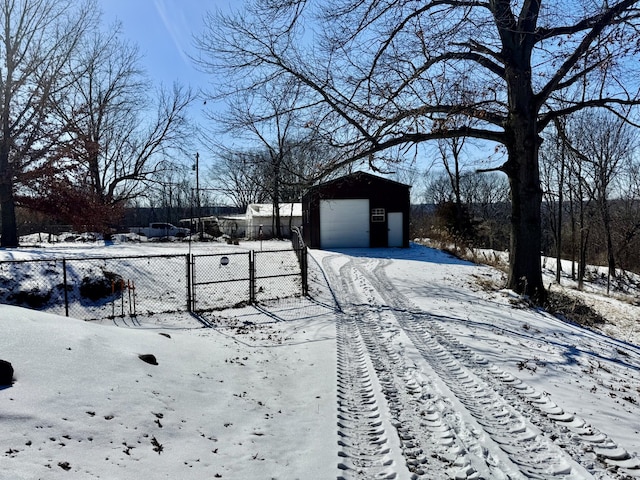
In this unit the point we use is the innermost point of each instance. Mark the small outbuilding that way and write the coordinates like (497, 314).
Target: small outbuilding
(261, 221)
(356, 210)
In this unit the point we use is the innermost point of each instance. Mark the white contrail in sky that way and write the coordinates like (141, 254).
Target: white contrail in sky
(174, 20)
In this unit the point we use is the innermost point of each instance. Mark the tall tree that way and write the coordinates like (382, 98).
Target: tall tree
(553, 168)
(37, 41)
(580, 206)
(120, 133)
(451, 151)
(235, 175)
(374, 74)
(628, 218)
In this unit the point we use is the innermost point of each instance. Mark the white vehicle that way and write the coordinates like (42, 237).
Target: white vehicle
(159, 230)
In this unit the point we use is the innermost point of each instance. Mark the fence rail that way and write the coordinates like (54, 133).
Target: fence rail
(103, 287)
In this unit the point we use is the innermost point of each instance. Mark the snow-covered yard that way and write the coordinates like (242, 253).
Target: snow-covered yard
(406, 368)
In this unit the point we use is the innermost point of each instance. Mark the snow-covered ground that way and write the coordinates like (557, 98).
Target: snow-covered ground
(406, 368)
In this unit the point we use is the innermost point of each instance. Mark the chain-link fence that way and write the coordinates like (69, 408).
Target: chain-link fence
(91, 288)
(314, 281)
(109, 287)
(104, 287)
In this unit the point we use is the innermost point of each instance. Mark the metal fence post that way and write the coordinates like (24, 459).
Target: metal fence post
(188, 257)
(66, 289)
(304, 270)
(252, 278)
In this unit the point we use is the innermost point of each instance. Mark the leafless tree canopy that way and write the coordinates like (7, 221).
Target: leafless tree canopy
(379, 76)
(121, 132)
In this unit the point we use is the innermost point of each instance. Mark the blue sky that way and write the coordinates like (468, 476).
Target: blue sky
(163, 30)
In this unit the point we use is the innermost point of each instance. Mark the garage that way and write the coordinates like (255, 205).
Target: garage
(355, 211)
(344, 223)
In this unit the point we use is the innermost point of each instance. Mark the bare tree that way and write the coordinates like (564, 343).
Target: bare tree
(37, 41)
(267, 116)
(580, 203)
(553, 157)
(235, 177)
(604, 144)
(171, 192)
(628, 218)
(451, 151)
(375, 72)
(122, 137)
(438, 189)
(483, 196)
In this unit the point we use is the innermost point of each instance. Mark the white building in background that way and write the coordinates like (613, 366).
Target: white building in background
(257, 222)
(260, 219)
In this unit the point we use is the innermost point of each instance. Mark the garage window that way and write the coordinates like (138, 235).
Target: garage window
(377, 215)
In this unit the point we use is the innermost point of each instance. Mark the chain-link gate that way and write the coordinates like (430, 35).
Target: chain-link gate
(220, 280)
(235, 279)
(277, 274)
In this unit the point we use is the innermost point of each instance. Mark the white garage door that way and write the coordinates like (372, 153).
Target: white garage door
(344, 223)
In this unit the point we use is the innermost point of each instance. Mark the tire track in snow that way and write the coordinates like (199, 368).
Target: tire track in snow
(364, 446)
(363, 440)
(433, 440)
(504, 404)
(578, 438)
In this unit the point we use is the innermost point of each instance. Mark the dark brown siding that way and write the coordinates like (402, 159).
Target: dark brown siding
(382, 193)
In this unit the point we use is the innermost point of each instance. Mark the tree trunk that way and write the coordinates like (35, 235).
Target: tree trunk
(559, 228)
(525, 245)
(523, 142)
(8, 209)
(572, 216)
(276, 200)
(584, 241)
(582, 265)
(7, 201)
(606, 222)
